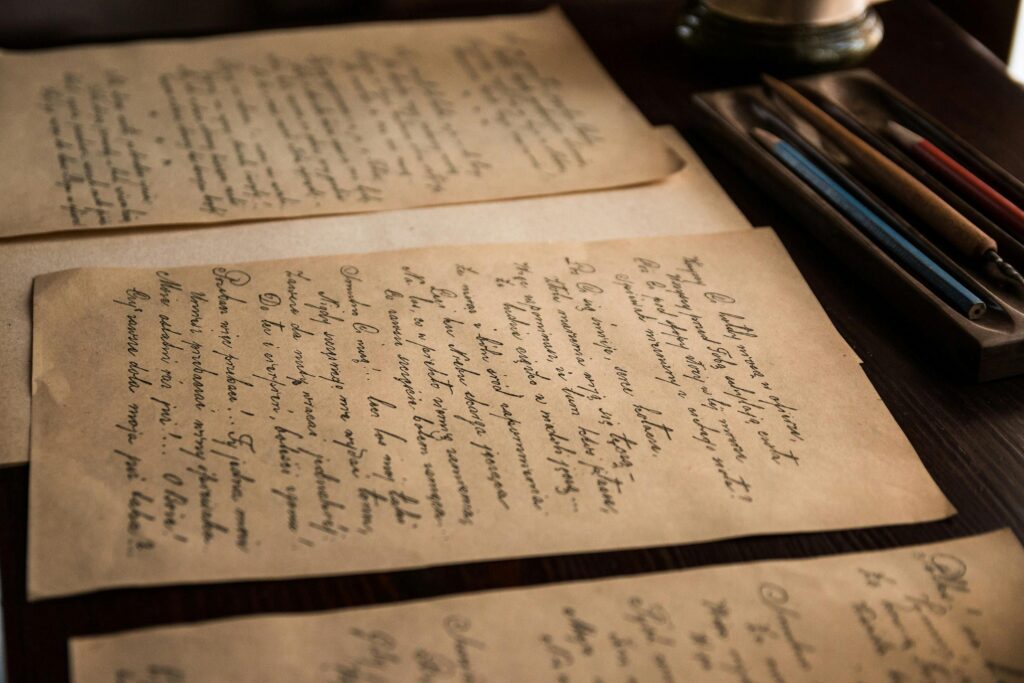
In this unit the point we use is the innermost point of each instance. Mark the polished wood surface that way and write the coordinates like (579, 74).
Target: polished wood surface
(970, 437)
(990, 21)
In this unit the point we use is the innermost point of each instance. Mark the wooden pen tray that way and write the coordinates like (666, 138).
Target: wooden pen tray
(987, 348)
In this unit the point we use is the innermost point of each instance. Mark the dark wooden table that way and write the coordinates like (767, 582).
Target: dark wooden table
(971, 438)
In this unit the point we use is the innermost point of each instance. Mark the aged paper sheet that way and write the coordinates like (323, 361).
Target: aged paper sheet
(688, 201)
(297, 123)
(366, 412)
(946, 611)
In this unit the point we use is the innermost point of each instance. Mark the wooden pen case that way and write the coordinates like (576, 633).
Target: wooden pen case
(989, 348)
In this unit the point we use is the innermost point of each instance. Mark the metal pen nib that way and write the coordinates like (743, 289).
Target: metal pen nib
(1004, 267)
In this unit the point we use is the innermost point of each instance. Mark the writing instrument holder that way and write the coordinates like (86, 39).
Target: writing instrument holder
(988, 348)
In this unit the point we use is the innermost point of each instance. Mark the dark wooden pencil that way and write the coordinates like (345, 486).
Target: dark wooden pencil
(956, 175)
(964, 154)
(929, 207)
(774, 123)
(898, 247)
(959, 231)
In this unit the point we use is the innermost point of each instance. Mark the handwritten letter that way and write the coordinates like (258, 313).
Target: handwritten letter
(688, 201)
(365, 412)
(297, 123)
(941, 612)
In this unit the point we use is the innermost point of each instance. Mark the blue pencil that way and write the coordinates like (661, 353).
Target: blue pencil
(896, 245)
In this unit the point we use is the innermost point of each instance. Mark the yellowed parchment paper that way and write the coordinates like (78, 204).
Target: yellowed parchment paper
(325, 121)
(945, 611)
(397, 409)
(688, 201)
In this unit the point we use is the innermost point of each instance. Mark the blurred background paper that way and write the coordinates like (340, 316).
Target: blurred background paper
(345, 119)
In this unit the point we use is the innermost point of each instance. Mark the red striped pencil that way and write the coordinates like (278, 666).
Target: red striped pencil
(941, 164)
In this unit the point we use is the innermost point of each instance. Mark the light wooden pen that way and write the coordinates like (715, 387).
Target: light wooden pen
(964, 235)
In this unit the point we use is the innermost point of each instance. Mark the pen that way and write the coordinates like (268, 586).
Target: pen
(898, 247)
(774, 123)
(929, 207)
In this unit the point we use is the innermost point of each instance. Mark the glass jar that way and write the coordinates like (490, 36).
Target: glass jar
(782, 35)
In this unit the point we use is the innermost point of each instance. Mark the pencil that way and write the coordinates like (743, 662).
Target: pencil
(776, 125)
(967, 156)
(888, 238)
(966, 237)
(941, 164)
